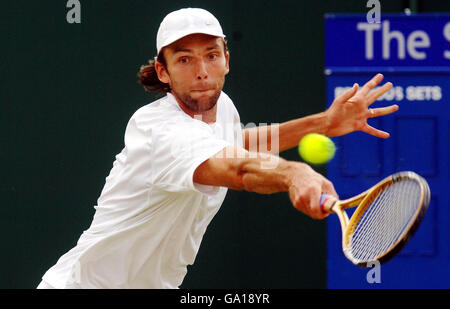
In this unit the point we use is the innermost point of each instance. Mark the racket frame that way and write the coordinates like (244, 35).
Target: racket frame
(364, 200)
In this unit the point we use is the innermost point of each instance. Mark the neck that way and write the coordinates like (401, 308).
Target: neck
(208, 116)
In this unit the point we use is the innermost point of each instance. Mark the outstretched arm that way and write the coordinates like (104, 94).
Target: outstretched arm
(239, 169)
(348, 113)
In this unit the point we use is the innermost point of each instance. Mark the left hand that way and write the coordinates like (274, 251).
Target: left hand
(349, 111)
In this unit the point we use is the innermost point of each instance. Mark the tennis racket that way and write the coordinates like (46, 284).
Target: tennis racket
(387, 216)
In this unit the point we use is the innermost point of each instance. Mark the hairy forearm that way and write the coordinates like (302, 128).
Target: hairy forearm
(276, 138)
(239, 169)
(256, 177)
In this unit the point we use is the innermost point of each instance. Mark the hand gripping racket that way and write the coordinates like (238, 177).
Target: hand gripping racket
(388, 215)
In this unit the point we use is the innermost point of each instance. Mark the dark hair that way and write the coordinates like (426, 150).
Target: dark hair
(149, 79)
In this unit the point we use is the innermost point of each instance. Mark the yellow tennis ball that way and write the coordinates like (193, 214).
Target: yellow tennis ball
(316, 148)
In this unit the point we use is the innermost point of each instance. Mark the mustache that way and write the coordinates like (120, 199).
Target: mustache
(194, 104)
(203, 86)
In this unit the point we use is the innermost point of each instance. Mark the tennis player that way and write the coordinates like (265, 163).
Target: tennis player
(181, 155)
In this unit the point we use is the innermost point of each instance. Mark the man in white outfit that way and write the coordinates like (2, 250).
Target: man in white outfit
(181, 155)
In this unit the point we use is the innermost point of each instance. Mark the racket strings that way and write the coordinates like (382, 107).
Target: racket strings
(384, 221)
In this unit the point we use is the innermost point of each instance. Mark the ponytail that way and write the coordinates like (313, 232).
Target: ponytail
(149, 79)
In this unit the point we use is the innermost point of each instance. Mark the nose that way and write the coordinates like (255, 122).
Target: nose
(202, 72)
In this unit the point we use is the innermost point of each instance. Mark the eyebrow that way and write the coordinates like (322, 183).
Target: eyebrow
(177, 49)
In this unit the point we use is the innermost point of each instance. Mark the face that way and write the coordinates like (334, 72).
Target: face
(196, 66)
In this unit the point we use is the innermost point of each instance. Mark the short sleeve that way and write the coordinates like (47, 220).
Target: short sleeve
(177, 149)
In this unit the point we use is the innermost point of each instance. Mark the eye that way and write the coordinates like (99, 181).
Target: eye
(183, 60)
(213, 56)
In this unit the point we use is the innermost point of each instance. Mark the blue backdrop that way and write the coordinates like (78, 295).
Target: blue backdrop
(413, 52)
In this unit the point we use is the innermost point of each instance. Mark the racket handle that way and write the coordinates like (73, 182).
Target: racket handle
(327, 202)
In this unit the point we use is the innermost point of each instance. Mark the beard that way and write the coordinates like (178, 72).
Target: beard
(198, 105)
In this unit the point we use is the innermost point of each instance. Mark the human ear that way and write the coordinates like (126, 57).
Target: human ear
(162, 73)
(227, 62)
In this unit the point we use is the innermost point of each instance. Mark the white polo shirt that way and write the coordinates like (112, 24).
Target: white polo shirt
(151, 216)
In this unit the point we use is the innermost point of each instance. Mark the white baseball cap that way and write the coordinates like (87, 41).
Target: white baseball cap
(181, 23)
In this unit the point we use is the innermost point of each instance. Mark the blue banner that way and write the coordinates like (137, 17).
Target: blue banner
(398, 41)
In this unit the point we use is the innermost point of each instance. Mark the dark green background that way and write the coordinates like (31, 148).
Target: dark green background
(68, 91)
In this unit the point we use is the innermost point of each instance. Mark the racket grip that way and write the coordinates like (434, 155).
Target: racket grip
(327, 202)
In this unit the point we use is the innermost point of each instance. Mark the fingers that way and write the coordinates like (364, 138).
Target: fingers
(377, 112)
(371, 84)
(307, 197)
(375, 132)
(374, 95)
(367, 92)
(347, 94)
(315, 211)
(328, 188)
(382, 111)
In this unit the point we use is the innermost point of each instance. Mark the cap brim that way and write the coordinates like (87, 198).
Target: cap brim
(186, 33)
